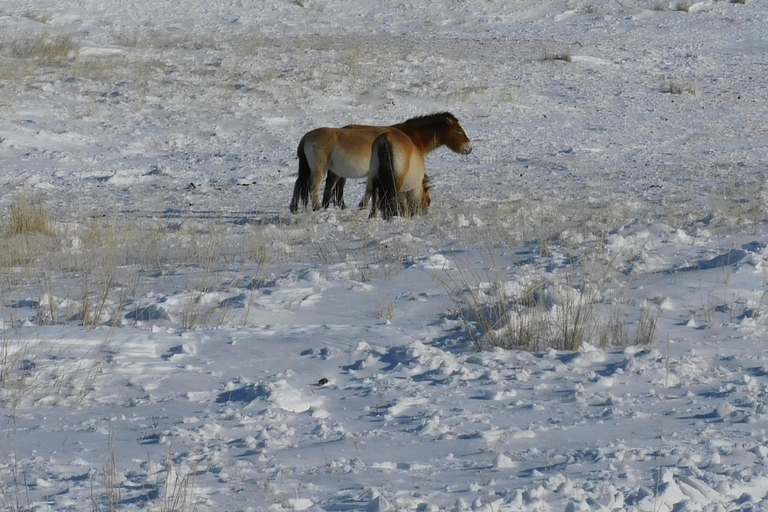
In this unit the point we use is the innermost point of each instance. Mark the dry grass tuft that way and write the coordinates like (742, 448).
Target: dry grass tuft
(615, 332)
(527, 313)
(676, 87)
(646, 328)
(127, 39)
(44, 48)
(28, 217)
(564, 55)
(542, 315)
(40, 17)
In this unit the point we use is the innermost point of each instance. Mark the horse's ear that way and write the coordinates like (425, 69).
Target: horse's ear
(449, 120)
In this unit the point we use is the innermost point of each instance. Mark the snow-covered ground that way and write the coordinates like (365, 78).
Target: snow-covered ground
(180, 341)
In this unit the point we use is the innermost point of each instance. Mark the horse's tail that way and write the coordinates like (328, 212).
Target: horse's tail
(301, 189)
(385, 191)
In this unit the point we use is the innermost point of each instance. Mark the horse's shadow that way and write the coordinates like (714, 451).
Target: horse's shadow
(244, 218)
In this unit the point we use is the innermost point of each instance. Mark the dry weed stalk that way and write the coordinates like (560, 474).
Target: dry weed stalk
(385, 311)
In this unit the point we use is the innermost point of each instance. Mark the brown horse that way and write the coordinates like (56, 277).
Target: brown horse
(347, 153)
(397, 182)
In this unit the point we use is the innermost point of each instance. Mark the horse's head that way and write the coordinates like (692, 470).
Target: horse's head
(454, 136)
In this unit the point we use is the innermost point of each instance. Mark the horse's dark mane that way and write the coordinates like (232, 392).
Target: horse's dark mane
(431, 118)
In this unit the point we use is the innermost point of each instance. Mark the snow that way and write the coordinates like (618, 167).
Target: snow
(183, 342)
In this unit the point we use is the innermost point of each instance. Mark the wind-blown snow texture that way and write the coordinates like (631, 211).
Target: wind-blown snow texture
(337, 374)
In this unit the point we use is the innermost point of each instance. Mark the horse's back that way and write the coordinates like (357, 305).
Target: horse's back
(345, 151)
(318, 136)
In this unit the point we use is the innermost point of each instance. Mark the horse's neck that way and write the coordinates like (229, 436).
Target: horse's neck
(426, 139)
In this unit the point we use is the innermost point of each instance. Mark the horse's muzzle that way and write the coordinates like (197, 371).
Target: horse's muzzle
(466, 149)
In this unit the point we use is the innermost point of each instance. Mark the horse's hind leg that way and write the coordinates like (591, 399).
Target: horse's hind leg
(314, 186)
(375, 201)
(372, 188)
(299, 193)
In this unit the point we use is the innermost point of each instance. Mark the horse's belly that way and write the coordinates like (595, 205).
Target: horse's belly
(346, 166)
